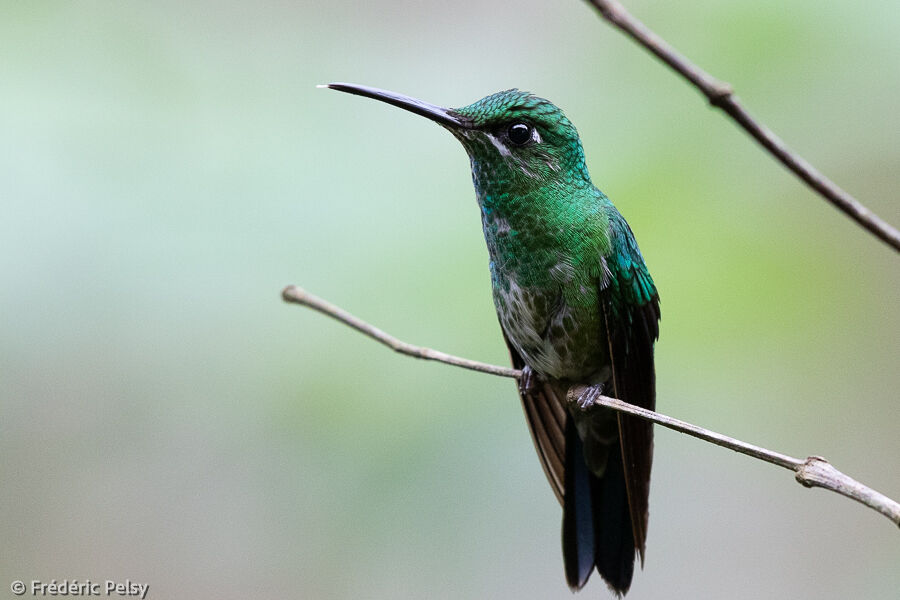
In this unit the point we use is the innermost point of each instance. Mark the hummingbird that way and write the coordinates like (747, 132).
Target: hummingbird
(579, 313)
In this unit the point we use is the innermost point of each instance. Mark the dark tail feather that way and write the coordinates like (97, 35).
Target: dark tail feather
(612, 525)
(596, 520)
(578, 525)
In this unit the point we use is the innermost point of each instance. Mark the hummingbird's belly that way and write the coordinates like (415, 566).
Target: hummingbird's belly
(552, 337)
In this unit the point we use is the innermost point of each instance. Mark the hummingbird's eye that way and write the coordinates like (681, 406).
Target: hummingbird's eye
(520, 133)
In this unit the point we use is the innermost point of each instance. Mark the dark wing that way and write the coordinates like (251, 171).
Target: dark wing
(545, 411)
(631, 309)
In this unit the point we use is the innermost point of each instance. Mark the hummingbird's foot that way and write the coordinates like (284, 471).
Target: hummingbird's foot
(528, 381)
(584, 396)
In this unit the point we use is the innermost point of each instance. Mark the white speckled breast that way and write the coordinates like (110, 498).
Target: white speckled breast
(553, 338)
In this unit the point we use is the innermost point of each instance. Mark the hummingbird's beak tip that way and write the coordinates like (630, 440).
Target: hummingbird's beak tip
(323, 86)
(437, 114)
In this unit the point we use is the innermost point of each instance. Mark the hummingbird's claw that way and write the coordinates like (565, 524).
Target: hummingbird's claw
(528, 381)
(585, 396)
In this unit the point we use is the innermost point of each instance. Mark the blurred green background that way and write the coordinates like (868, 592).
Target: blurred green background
(166, 168)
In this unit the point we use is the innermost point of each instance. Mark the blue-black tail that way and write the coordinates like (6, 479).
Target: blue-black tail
(597, 530)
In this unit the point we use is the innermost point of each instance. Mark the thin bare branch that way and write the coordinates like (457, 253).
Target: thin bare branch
(721, 94)
(296, 295)
(815, 471)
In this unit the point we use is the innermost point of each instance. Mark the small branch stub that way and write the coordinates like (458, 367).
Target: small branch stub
(815, 471)
(818, 472)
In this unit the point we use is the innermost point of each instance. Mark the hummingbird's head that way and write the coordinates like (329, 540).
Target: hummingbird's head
(520, 136)
(513, 138)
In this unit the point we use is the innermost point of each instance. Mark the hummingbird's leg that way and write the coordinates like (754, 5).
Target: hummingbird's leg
(528, 381)
(584, 396)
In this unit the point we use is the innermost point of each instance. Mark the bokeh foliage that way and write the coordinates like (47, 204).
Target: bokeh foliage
(168, 167)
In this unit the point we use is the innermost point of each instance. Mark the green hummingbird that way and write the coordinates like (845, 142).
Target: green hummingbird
(579, 312)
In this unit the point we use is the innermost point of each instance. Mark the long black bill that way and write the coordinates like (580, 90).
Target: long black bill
(443, 116)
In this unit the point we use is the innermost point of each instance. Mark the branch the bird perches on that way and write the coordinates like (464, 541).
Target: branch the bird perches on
(814, 471)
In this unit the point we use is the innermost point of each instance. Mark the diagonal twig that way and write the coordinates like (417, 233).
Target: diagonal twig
(815, 471)
(721, 94)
